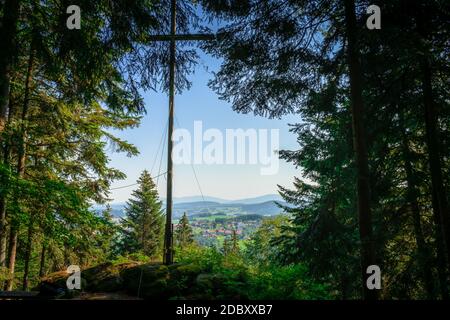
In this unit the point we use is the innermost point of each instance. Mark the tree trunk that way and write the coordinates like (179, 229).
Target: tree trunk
(26, 104)
(439, 197)
(3, 229)
(27, 256)
(12, 258)
(441, 265)
(412, 195)
(432, 135)
(3, 213)
(66, 259)
(344, 286)
(21, 149)
(42, 261)
(8, 33)
(3, 203)
(360, 149)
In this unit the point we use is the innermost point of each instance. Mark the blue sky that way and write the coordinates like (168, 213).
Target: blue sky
(200, 103)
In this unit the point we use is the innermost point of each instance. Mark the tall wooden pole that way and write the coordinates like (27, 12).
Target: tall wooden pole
(168, 238)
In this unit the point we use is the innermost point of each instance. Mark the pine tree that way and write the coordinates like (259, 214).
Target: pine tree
(226, 247)
(143, 224)
(183, 234)
(234, 242)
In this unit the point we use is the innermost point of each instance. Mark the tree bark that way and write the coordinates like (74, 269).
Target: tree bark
(433, 142)
(441, 263)
(21, 151)
(27, 256)
(42, 261)
(8, 34)
(412, 195)
(439, 198)
(12, 258)
(3, 229)
(360, 149)
(3, 202)
(3, 210)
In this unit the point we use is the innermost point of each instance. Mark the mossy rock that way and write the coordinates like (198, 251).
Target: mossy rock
(186, 269)
(218, 286)
(156, 281)
(185, 273)
(106, 277)
(205, 282)
(148, 273)
(157, 289)
(147, 281)
(56, 279)
(182, 279)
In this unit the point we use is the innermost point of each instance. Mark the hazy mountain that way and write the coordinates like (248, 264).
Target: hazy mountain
(263, 205)
(264, 198)
(196, 199)
(260, 199)
(267, 208)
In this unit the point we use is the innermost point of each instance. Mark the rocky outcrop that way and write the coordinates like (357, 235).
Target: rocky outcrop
(146, 281)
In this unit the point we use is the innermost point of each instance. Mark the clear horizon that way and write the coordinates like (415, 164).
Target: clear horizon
(208, 196)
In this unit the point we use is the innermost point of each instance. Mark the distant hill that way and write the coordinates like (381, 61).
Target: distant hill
(264, 198)
(197, 198)
(260, 199)
(263, 205)
(116, 208)
(264, 208)
(267, 208)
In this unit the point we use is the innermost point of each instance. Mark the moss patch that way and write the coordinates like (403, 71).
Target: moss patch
(148, 281)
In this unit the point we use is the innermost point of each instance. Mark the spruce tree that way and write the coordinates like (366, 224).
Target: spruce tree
(183, 234)
(226, 247)
(234, 242)
(143, 224)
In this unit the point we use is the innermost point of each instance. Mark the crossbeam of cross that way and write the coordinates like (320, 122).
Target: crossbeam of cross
(182, 37)
(173, 37)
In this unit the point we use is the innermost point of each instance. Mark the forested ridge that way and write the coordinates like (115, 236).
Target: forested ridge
(373, 146)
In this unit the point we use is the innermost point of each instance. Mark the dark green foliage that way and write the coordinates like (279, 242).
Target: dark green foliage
(226, 249)
(292, 57)
(69, 91)
(234, 248)
(143, 225)
(261, 248)
(183, 232)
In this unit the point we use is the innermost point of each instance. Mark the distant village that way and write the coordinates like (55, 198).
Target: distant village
(211, 231)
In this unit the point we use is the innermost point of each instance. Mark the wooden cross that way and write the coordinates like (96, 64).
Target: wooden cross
(173, 37)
